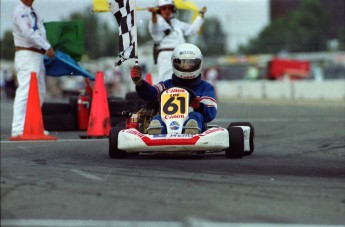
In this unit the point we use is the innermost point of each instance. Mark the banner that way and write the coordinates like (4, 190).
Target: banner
(63, 65)
(67, 37)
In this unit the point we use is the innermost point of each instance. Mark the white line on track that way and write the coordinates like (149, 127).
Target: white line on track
(86, 175)
(98, 223)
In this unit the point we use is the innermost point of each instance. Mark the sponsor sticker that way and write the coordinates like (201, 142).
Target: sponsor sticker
(160, 136)
(174, 125)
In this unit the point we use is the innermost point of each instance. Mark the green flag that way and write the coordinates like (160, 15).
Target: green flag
(67, 37)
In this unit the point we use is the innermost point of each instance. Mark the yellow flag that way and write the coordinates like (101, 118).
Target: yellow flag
(103, 6)
(187, 5)
(100, 6)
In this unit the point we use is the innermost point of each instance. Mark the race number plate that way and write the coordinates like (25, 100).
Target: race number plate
(174, 108)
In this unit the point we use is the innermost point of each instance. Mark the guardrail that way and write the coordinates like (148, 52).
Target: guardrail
(288, 90)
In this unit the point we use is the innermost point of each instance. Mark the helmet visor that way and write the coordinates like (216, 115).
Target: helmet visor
(187, 65)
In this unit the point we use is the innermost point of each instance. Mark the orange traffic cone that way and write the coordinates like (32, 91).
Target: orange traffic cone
(99, 121)
(33, 127)
(149, 78)
(88, 87)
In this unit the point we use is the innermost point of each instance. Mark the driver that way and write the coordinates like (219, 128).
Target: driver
(187, 64)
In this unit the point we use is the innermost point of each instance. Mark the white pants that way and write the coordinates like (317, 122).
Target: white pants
(25, 63)
(164, 65)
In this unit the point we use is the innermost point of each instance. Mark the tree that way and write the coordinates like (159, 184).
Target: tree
(303, 30)
(213, 39)
(100, 39)
(97, 35)
(143, 33)
(342, 40)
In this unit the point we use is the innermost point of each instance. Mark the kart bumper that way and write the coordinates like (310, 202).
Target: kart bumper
(214, 139)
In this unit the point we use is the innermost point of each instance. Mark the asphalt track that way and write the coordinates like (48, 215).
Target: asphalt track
(296, 176)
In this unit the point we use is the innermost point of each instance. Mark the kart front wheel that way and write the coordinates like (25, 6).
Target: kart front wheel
(236, 143)
(114, 152)
(251, 136)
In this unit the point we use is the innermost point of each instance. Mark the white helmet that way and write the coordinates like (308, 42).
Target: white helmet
(187, 62)
(165, 2)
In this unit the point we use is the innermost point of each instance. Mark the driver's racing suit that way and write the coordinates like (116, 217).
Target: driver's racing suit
(206, 112)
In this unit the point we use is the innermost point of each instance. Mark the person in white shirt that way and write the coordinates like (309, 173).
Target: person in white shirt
(168, 32)
(30, 43)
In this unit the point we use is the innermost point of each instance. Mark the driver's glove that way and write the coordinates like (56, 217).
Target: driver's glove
(195, 104)
(136, 75)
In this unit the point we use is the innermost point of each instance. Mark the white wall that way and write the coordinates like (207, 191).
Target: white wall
(288, 90)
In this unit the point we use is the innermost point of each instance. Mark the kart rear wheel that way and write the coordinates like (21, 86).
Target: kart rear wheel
(236, 143)
(114, 152)
(251, 136)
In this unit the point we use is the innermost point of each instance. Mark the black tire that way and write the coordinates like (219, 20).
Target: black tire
(113, 98)
(114, 121)
(60, 122)
(114, 152)
(251, 136)
(73, 101)
(132, 95)
(121, 125)
(52, 108)
(236, 143)
(116, 107)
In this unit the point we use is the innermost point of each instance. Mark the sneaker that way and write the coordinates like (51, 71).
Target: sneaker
(191, 127)
(17, 133)
(154, 128)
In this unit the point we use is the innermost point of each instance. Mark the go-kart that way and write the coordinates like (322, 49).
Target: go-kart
(237, 140)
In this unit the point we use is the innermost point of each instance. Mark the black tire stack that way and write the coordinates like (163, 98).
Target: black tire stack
(62, 116)
(132, 103)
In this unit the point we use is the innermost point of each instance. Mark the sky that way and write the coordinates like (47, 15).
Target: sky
(241, 19)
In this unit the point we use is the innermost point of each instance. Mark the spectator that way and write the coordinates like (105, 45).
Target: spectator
(252, 73)
(30, 44)
(113, 78)
(109, 79)
(317, 71)
(168, 32)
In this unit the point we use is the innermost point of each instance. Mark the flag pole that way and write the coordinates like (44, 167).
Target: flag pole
(136, 34)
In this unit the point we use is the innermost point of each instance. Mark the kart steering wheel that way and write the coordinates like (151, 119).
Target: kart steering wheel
(192, 94)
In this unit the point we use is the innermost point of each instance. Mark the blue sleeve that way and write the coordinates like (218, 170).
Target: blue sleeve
(147, 91)
(209, 113)
(208, 103)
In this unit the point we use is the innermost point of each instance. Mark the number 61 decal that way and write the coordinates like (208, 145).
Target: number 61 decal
(174, 104)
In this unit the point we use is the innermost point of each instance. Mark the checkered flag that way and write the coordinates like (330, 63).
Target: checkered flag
(124, 13)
